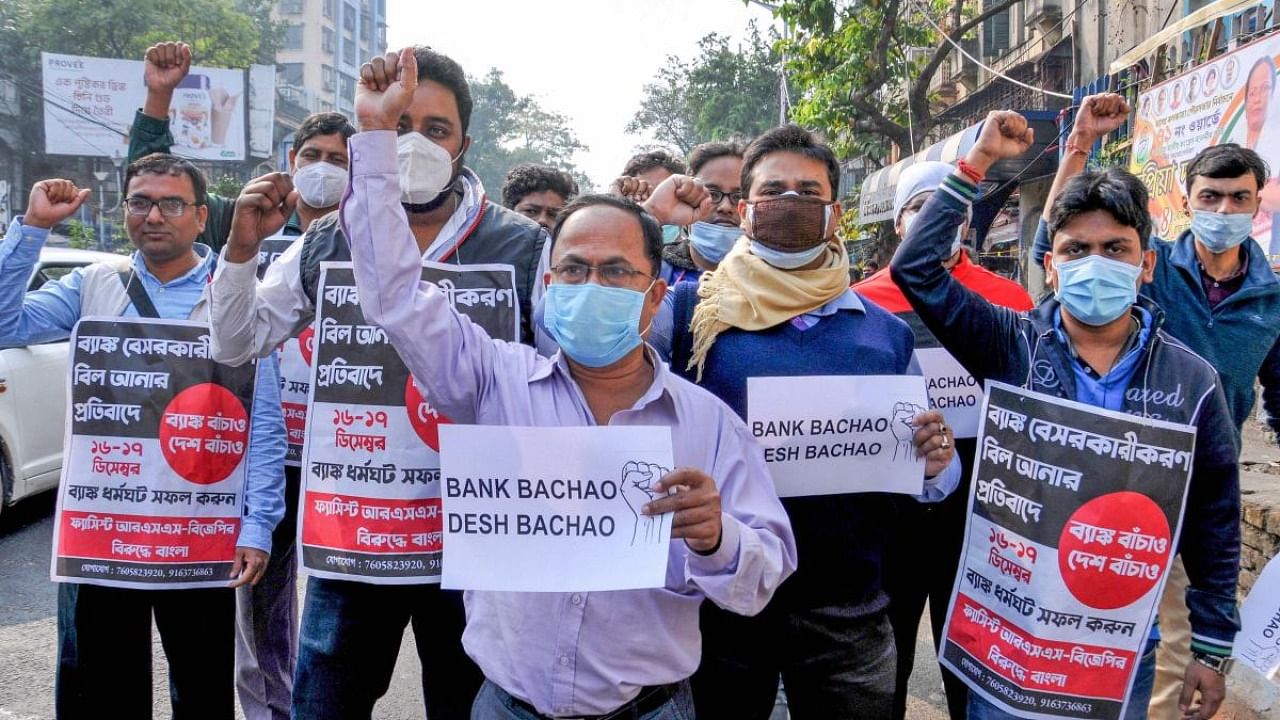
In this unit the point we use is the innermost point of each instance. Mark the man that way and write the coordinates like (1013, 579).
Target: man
(351, 631)
(1098, 343)
(538, 192)
(266, 613)
(779, 304)
(1220, 298)
(104, 633)
(718, 165)
(924, 550)
(653, 167)
(624, 654)
(317, 160)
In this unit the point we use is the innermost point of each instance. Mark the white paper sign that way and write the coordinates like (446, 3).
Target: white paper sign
(536, 509)
(952, 390)
(1258, 643)
(830, 435)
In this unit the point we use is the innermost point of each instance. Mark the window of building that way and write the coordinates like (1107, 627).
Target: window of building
(349, 52)
(348, 18)
(330, 8)
(326, 74)
(347, 93)
(995, 32)
(328, 40)
(291, 73)
(292, 7)
(292, 37)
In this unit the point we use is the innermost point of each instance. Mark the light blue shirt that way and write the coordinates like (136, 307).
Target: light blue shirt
(49, 313)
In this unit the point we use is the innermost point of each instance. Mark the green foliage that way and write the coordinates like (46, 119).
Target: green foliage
(508, 129)
(227, 186)
(721, 93)
(80, 235)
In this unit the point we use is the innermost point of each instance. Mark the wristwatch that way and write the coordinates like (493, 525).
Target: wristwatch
(1220, 665)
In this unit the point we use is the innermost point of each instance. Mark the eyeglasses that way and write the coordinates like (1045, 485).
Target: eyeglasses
(717, 196)
(572, 273)
(169, 206)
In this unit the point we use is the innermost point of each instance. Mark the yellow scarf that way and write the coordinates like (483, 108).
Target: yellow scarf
(748, 293)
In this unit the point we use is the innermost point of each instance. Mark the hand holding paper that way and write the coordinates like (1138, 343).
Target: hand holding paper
(696, 504)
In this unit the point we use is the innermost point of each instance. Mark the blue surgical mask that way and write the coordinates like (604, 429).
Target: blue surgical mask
(713, 241)
(1095, 289)
(670, 233)
(593, 324)
(1219, 232)
(787, 260)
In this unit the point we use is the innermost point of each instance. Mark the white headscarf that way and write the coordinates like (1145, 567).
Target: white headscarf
(921, 177)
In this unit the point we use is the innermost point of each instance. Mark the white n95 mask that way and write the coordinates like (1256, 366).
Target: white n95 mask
(425, 168)
(320, 184)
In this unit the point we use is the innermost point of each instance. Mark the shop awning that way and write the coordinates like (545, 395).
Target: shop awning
(876, 202)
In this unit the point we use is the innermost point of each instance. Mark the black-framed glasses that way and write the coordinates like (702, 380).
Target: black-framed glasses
(573, 273)
(169, 206)
(718, 196)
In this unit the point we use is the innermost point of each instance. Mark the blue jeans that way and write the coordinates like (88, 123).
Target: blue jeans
(350, 638)
(1139, 695)
(494, 703)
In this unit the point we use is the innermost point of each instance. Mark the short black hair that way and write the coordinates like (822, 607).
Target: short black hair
(706, 152)
(1118, 193)
(527, 178)
(649, 225)
(166, 164)
(323, 123)
(792, 139)
(646, 161)
(1228, 160)
(445, 70)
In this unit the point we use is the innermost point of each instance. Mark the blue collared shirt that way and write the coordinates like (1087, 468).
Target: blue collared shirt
(49, 314)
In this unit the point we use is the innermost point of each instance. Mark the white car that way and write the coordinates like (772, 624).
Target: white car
(33, 402)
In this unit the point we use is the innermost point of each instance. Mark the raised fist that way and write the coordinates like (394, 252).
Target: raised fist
(165, 65)
(386, 89)
(53, 201)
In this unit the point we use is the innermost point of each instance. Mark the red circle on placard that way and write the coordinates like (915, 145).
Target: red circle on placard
(426, 420)
(1116, 527)
(307, 343)
(202, 413)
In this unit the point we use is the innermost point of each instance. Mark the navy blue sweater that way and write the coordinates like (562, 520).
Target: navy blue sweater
(840, 539)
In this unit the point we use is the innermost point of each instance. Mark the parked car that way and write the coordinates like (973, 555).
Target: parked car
(33, 402)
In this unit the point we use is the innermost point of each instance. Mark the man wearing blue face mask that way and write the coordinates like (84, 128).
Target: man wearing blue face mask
(718, 165)
(1097, 342)
(1222, 300)
(624, 654)
(779, 304)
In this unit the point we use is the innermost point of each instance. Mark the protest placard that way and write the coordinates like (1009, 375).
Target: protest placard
(1074, 515)
(828, 435)
(523, 515)
(370, 507)
(1258, 642)
(295, 362)
(153, 478)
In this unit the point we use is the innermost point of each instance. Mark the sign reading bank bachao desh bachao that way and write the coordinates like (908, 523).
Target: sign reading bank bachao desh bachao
(153, 481)
(370, 508)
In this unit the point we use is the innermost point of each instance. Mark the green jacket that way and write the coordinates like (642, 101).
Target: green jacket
(150, 135)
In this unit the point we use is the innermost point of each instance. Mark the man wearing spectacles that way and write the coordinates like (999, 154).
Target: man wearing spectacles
(718, 165)
(617, 654)
(104, 633)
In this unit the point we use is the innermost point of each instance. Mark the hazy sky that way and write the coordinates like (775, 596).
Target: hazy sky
(586, 59)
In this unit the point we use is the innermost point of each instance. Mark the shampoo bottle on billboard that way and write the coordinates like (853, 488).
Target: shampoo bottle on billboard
(191, 112)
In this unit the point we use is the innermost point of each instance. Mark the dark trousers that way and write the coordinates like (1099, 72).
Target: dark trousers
(350, 639)
(104, 651)
(267, 621)
(833, 664)
(920, 566)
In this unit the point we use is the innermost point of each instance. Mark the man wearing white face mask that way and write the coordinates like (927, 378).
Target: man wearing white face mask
(718, 165)
(266, 613)
(1097, 342)
(351, 631)
(1221, 297)
(924, 552)
(779, 304)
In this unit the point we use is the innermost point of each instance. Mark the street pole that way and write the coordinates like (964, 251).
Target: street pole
(782, 68)
(101, 176)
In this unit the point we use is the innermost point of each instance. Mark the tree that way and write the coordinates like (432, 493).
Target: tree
(721, 93)
(507, 129)
(855, 73)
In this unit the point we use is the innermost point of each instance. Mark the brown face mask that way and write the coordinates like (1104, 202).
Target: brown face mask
(789, 223)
